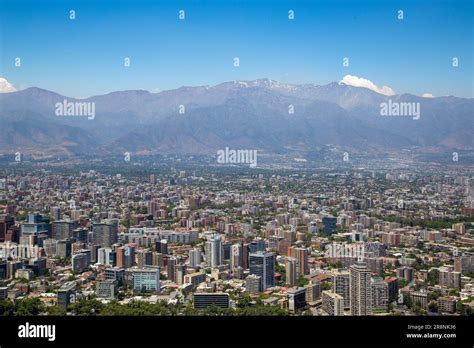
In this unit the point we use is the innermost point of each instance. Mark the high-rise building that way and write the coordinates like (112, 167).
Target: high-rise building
(157, 259)
(313, 291)
(464, 264)
(360, 289)
(105, 233)
(106, 256)
(207, 252)
(257, 245)
(329, 223)
(180, 272)
(6, 222)
(263, 265)
(81, 234)
(153, 207)
(332, 303)
(94, 252)
(143, 258)
(79, 262)
(406, 273)
(214, 252)
(374, 264)
(50, 247)
(236, 256)
(226, 248)
(56, 213)
(253, 284)
(63, 248)
(194, 257)
(13, 267)
(301, 256)
(273, 242)
(126, 256)
(36, 227)
(449, 278)
(162, 247)
(291, 271)
(171, 268)
(217, 252)
(63, 229)
(341, 281)
(392, 284)
(379, 292)
(120, 255)
(284, 247)
(245, 255)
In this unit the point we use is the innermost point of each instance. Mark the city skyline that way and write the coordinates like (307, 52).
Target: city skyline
(204, 242)
(196, 171)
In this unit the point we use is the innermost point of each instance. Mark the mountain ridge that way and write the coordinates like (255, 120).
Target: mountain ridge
(252, 114)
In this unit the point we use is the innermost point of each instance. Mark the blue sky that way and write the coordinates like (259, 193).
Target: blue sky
(84, 57)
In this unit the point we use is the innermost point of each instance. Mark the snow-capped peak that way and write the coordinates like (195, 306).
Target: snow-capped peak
(5, 86)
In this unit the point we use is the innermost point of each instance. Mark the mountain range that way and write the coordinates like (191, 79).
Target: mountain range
(239, 114)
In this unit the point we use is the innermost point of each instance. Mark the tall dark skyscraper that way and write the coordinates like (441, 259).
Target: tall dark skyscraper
(105, 233)
(360, 290)
(63, 229)
(263, 265)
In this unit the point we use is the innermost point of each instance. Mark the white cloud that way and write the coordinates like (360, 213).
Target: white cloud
(5, 86)
(361, 82)
(427, 95)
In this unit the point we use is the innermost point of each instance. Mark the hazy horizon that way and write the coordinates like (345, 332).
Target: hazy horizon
(341, 82)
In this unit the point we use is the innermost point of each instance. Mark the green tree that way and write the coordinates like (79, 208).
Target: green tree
(302, 281)
(87, 307)
(326, 286)
(28, 306)
(7, 307)
(433, 306)
(56, 310)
